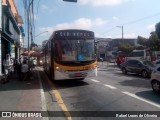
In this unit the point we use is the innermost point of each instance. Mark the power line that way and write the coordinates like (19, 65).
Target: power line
(109, 30)
(132, 22)
(141, 19)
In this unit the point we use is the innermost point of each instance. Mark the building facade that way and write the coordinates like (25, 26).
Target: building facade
(107, 46)
(11, 31)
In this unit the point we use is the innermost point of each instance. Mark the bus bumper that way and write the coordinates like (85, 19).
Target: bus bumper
(64, 75)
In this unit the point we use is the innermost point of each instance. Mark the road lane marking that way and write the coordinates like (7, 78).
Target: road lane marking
(44, 107)
(112, 87)
(139, 98)
(95, 80)
(59, 99)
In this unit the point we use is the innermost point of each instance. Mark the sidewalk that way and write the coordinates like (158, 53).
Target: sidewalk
(107, 65)
(20, 95)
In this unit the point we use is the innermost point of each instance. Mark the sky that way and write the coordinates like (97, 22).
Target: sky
(104, 17)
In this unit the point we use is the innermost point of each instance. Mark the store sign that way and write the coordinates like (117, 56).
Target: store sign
(13, 51)
(14, 35)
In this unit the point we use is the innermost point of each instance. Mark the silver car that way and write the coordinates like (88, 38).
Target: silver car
(155, 79)
(142, 67)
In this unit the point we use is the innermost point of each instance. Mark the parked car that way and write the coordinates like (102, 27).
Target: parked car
(155, 79)
(157, 62)
(142, 67)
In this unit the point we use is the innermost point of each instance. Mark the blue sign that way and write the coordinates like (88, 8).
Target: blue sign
(80, 57)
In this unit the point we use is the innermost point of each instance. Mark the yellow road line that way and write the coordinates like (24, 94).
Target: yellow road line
(59, 99)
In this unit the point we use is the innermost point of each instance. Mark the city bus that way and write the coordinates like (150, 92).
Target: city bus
(70, 54)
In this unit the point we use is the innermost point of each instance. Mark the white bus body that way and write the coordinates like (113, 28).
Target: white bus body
(139, 55)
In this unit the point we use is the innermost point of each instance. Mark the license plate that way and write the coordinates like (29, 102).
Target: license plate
(78, 74)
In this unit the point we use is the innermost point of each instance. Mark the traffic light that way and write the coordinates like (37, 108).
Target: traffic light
(70, 0)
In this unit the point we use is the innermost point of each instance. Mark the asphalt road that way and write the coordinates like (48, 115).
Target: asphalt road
(109, 91)
(109, 96)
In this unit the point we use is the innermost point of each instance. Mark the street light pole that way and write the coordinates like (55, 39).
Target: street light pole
(122, 32)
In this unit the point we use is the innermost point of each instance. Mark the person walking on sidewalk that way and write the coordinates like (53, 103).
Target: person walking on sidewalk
(7, 63)
(24, 70)
(18, 67)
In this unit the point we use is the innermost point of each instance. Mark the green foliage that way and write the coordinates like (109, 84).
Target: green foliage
(154, 42)
(125, 47)
(142, 41)
(158, 29)
(140, 47)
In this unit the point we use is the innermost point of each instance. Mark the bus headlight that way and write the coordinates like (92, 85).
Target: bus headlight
(57, 68)
(60, 70)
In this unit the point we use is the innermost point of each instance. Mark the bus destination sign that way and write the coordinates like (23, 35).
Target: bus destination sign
(74, 34)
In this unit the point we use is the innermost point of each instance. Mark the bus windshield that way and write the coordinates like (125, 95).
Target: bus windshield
(74, 50)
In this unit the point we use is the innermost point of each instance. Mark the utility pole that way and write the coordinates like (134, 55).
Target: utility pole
(122, 32)
(0, 37)
(28, 11)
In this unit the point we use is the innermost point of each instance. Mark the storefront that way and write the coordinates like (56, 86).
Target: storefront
(10, 35)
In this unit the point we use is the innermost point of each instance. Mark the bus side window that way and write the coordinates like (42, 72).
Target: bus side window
(130, 55)
(58, 51)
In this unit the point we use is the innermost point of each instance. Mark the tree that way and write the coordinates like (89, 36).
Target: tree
(153, 42)
(158, 29)
(142, 41)
(125, 47)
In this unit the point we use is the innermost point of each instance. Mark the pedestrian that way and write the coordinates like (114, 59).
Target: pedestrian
(34, 62)
(15, 62)
(24, 70)
(7, 63)
(118, 62)
(19, 65)
(12, 66)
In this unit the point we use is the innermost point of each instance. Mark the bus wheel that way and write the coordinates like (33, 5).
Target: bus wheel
(51, 75)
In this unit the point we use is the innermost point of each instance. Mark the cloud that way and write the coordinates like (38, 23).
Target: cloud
(151, 27)
(46, 9)
(127, 35)
(115, 18)
(130, 35)
(81, 23)
(103, 2)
